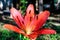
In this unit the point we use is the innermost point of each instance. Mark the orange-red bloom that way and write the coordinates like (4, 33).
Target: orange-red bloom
(30, 25)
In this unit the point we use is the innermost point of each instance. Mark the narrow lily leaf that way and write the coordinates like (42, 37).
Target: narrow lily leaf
(17, 17)
(47, 31)
(14, 28)
(42, 17)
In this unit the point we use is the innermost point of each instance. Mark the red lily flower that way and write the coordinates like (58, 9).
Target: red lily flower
(30, 25)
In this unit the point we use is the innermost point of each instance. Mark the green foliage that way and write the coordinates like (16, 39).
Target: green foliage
(49, 37)
(23, 6)
(10, 35)
(6, 35)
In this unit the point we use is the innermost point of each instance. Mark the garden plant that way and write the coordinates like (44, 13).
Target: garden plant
(30, 25)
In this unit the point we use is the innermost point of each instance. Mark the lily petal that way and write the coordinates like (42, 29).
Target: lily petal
(33, 35)
(17, 17)
(29, 17)
(41, 19)
(47, 31)
(29, 14)
(14, 28)
(34, 23)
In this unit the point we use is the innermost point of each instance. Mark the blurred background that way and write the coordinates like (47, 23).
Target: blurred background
(39, 5)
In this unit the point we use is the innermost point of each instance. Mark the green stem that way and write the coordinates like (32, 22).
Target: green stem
(20, 37)
(23, 37)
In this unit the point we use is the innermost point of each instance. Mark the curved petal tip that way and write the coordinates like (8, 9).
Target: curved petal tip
(47, 31)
